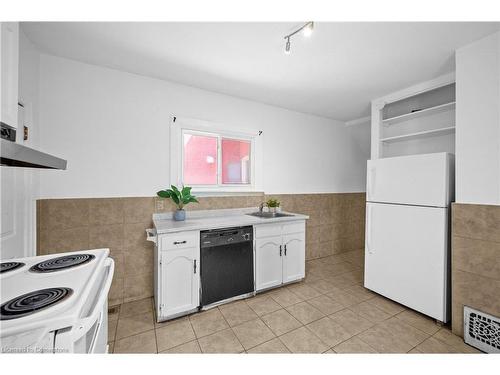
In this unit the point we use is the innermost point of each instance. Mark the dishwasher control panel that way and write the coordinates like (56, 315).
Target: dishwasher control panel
(218, 237)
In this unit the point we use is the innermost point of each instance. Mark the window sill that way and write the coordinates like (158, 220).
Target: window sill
(225, 193)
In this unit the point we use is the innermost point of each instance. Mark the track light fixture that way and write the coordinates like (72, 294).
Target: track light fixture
(306, 29)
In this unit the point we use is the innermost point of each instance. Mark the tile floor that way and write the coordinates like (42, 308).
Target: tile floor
(329, 312)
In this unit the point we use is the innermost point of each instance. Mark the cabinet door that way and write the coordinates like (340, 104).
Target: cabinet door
(268, 262)
(294, 250)
(9, 74)
(180, 281)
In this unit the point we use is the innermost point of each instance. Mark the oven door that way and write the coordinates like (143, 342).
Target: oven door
(90, 334)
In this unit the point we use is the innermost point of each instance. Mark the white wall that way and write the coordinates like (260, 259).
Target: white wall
(112, 127)
(478, 122)
(20, 186)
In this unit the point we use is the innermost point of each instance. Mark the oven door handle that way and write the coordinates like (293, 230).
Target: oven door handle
(87, 322)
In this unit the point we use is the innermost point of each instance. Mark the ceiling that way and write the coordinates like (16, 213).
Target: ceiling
(334, 73)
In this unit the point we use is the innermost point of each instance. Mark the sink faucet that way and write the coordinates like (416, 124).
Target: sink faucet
(261, 207)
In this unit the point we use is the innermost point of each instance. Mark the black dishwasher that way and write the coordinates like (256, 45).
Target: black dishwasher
(226, 266)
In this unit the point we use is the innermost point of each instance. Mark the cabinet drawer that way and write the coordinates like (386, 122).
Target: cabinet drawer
(295, 227)
(179, 240)
(267, 230)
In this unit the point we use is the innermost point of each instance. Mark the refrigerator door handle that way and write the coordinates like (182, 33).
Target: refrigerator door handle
(369, 229)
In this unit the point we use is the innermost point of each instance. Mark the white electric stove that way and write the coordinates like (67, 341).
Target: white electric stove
(55, 303)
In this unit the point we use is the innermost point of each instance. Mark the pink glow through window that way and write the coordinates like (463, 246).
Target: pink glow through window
(235, 161)
(200, 160)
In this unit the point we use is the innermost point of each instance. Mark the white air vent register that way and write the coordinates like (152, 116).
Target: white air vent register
(481, 330)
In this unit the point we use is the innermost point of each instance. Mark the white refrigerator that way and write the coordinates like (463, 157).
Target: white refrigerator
(407, 238)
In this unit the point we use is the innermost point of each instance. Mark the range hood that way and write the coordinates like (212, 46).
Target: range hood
(16, 155)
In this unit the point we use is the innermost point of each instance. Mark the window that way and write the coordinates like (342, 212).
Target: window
(211, 158)
(235, 161)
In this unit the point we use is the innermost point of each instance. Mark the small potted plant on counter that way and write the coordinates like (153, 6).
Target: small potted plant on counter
(180, 197)
(273, 205)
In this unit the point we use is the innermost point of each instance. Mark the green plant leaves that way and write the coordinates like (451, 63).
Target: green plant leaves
(163, 194)
(180, 197)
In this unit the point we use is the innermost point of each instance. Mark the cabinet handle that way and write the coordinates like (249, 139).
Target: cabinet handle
(179, 242)
(280, 249)
(195, 266)
(285, 250)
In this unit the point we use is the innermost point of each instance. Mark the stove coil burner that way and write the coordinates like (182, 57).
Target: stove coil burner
(10, 266)
(33, 302)
(61, 263)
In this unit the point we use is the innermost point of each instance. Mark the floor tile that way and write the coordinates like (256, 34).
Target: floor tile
(171, 321)
(304, 312)
(304, 291)
(354, 345)
(432, 345)
(191, 347)
(252, 333)
(329, 331)
(386, 305)
(221, 342)
(419, 321)
(404, 331)
(281, 322)
(285, 297)
(132, 325)
(322, 286)
(302, 340)
(384, 342)
(446, 336)
(342, 282)
(142, 343)
(273, 346)
(370, 312)
(351, 321)
(174, 335)
(326, 305)
(136, 307)
(361, 293)
(262, 305)
(208, 322)
(237, 312)
(344, 298)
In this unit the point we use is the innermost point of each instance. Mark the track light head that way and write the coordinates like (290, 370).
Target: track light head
(287, 46)
(308, 29)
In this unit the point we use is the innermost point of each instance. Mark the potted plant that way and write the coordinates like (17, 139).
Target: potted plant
(273, 205)
(180, 198)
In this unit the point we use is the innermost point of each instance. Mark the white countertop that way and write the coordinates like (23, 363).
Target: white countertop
(213, 219)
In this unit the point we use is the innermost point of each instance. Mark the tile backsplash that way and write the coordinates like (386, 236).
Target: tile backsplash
(336, 225)
(475, 260)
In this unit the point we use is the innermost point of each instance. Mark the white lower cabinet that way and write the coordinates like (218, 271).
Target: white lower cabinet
(179, 277)
(279, 254)
(268, 262)
(294, 259)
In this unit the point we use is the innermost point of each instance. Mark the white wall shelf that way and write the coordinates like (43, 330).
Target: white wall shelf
(416, 114)
(430, 129)
(419, 135)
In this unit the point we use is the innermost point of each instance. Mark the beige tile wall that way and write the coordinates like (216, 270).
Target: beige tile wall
(475, 260)
(336, 225)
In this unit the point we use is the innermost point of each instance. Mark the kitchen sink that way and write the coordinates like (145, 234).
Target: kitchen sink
(269, 215)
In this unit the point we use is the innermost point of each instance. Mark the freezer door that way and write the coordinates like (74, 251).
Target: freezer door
(406, 256)
(425, 180)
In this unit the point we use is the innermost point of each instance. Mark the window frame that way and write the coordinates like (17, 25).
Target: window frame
(181, 126)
